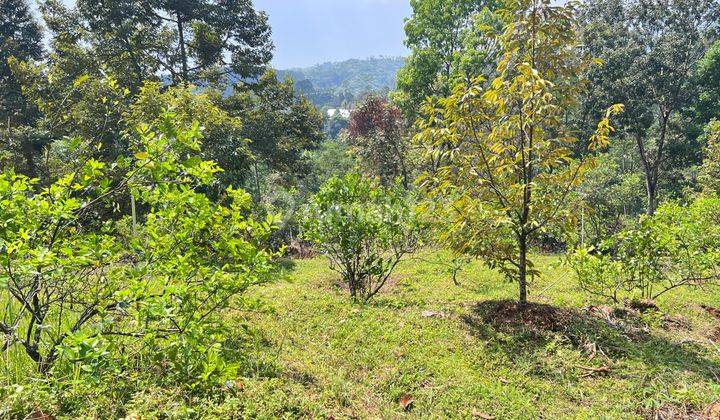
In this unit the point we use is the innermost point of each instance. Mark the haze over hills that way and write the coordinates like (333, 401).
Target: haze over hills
(341, 84)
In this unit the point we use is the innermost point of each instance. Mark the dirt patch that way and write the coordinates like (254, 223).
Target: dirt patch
(677, 322)
(712, 411)
(509, 315)
(712, 311)
(301, 377)
(590, 329)
(670, 412)
(681, 412)
(715, 334)
(609, 313)
(630, 317)
(643, 305)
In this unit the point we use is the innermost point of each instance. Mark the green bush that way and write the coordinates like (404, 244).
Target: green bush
(364, 229)
(678, 246)
(82, 297)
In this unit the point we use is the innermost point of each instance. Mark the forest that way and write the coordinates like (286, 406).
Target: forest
(518, 220)
(342, 84)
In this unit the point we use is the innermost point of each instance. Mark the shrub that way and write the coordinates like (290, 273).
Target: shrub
(678, 246)
(75, 289)
(364, 229)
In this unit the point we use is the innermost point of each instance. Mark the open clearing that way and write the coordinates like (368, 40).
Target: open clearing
(426, 347)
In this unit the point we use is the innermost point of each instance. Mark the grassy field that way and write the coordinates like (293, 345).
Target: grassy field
(428, 348)
(436, 344)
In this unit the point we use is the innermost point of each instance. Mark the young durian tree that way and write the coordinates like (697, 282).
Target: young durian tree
(506, 166)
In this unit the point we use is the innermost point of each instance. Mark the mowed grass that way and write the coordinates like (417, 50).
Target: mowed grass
(322, 356)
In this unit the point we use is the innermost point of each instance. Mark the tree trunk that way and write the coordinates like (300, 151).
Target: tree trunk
(522, 266)
(28, 154)
(258, 191)
(651, 197)
(183, 53)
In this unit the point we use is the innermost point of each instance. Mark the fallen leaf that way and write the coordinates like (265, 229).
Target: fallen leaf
(406, 402)
(480, 415)
(712, 411)
(433, 314)
(39, 415)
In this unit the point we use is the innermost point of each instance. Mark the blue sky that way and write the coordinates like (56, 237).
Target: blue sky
(308, 32)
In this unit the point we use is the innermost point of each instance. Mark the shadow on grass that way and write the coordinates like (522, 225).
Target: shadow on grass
(258, 356)
(523, 330)
(286, 264)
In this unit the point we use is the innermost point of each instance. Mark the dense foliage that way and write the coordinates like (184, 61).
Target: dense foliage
(678, 246)
(77, 286)
(448, 47)
(709, 176)
(193, 41)
(20, 37)
(377, 134)
(650, 51)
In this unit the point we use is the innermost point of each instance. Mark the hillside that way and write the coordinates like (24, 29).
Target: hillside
(340, 84)
(429, 348)
(459, 351)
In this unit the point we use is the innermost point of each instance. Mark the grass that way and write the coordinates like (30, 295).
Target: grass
(444, 347)
(423, 337)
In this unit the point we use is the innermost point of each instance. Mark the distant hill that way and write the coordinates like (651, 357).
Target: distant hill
(341, 84)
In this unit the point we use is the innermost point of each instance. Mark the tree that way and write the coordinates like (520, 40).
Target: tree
(224, 140)
(192, 41)
(377, 135)
(335, 125)
(650, 49)
(280, 124)
(613, 192)
(676, 247)
(709, 176)
(72, 105)
(505, 168)
(447, 44)
(708, 80)
(364, 229)
(74, 285)
(21, 38)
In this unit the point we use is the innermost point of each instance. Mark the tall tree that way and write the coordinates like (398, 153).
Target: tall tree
(447, 45)
(708, 78)
(190, 40)
(506, 168)
(280, 123)
(650, 49)
(377, 135)
(709, 176)
(223, 138)
(21, 38)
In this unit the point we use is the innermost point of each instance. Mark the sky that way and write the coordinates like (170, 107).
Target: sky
(308, 32)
